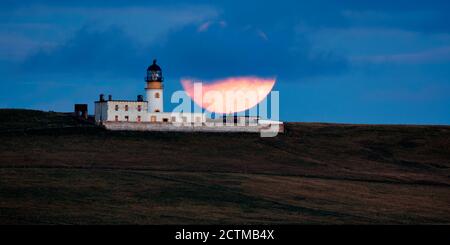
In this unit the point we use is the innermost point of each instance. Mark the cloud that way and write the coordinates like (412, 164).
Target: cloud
(237, 51)
(204, 27)
(16, 54)
(216, 53)
(370, 44)
(29, 28)
(192, 39)
(110, 52)
(422, 94)
(263, 35)
(223, 23)
(424, 20)
(433, 55)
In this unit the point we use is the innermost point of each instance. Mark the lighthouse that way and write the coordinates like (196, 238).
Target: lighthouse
(154, 88)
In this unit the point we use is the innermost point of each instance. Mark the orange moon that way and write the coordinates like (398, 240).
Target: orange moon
(229, 95)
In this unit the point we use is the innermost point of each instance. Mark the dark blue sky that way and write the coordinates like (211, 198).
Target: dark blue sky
(336, 61)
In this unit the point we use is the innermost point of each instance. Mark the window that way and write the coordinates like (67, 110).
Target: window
(157, 95)
(156, 110)
(174, 119)
(126, 107)
(165, 119)
(116, 118)
(184, 119)
(127, 118)
(117, 107)
(139, 118)
(139, 108)
(197, 119)
(153, 119)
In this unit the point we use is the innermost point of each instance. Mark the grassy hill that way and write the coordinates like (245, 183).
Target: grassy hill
(17, 119)
(55, 169)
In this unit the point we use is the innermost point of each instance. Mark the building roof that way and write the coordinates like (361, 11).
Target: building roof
(144, 101)
(154, 67)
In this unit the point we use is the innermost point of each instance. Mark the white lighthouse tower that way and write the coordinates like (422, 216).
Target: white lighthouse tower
(154, 88)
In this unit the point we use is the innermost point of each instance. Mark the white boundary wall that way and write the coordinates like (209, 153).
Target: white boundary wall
(190, 127)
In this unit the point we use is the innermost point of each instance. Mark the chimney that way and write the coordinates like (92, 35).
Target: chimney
(109, 97)
(102, 97)
(140, 98)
